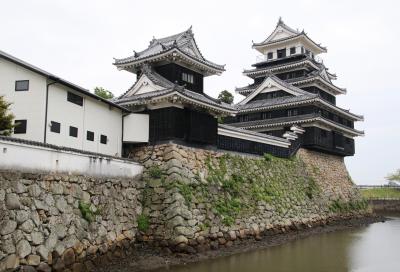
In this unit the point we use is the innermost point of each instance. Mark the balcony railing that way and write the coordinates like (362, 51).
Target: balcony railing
(264, 58)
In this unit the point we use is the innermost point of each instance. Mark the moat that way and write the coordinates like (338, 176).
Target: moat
(366, 249)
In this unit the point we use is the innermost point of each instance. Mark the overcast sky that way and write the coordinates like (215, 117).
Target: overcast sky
(77, 41)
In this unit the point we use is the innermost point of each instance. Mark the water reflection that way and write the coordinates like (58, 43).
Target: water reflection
(372, 248)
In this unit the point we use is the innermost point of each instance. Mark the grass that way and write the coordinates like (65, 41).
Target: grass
(375, 193)
(143, 222)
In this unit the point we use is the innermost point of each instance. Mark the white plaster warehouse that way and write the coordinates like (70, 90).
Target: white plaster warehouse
(54, 111)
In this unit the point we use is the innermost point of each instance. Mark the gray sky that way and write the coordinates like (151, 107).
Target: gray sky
(77, 40)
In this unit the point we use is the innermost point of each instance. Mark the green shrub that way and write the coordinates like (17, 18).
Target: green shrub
(155, 172)
(143, 222)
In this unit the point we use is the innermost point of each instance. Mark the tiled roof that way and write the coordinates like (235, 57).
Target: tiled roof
(275, 102)
(253, 87)
(299, 119)
(59, 148)
(183, 42)
(170, 89)
(250, 132)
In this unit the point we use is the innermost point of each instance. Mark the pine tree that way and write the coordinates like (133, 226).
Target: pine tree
(6, 118)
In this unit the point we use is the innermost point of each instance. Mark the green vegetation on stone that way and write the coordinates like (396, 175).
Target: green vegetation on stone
(155, 172)
(87, 212)
(341, 206)
(143, 222)
(381, 193)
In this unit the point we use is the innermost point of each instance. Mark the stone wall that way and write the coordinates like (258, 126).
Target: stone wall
(59, 221)
(188, 200)
(201, 199)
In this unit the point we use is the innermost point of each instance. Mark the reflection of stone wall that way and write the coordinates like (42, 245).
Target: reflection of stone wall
(41, 224)
(206, 199)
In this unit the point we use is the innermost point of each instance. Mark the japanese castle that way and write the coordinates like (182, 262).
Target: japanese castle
(292, 87)
(290, 105)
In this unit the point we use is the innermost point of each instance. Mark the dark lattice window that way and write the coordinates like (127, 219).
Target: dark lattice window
(90, 136)
(281, 53)
(73, 131)
(20, 126)
(21, 85)
(74, 98)
(292, 50)
(103, 139)
(55, 127)
(270, 55)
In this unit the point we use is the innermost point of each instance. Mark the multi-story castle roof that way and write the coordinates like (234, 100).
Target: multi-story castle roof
(181, 47)
(152, 87)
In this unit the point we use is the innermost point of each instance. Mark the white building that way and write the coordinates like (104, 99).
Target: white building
(52, 110)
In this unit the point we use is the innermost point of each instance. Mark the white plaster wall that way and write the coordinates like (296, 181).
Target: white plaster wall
(29, 105)
(95, 116)
(136, 128)
(17, 156)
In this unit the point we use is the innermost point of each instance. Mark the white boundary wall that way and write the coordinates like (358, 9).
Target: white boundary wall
(26, 157)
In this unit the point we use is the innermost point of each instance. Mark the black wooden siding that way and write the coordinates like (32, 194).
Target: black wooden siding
(285, 113)
(329, 141)
(182, 124)
(173, 72)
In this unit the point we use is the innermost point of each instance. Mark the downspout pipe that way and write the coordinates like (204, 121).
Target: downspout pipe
(122, 135)
(48, 84)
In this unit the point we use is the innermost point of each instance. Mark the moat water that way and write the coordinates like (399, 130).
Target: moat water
(368, 249)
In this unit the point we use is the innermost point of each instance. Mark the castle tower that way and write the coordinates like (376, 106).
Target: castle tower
(293, 90)
(169, 87)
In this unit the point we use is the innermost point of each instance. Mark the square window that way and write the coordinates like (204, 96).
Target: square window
(270, 55)
(292, 50)
(20, 126)
(76, 99)
(90, 135)
(55, 127)
(103, 139)
(73, 131)
(21, 85)
(281, 53)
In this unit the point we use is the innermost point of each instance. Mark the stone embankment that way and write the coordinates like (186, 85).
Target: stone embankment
(385, 205)
(58, 222)
(200, 199)
(188, 200)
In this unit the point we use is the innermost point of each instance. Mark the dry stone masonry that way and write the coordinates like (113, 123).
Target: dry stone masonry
(202, 199)
(59, 221)
(188, 200)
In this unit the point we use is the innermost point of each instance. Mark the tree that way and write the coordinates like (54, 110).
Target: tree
(6, 118)
(394, 176)
(100, 91)
(226, 97)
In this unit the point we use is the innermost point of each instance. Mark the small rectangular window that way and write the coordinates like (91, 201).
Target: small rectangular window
(281, 53)
(21, 85)
(103, 139)
(73, 131)
(76, 99)
(55, 127)
(270, 55)
(188, 78)
(90, 135)
(20, 126)
(292, 50)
